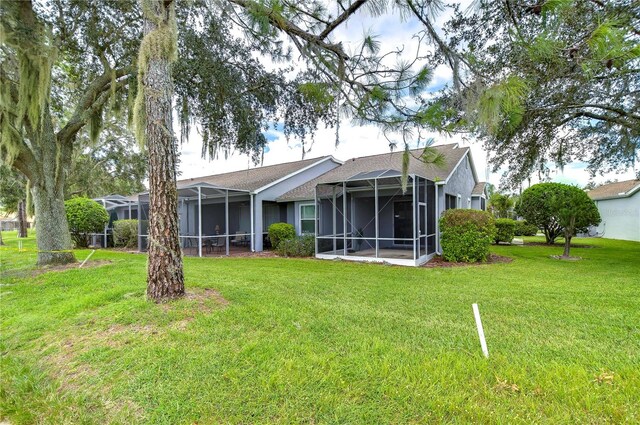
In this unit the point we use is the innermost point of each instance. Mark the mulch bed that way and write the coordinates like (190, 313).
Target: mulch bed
(438, 261)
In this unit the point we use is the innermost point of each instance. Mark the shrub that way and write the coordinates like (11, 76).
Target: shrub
(466, 235)
(125, 233)
(525, 229)
(505, 230)
(299, 246)
(279, 232)
(85, 216)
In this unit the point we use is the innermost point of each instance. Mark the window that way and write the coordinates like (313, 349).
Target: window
(450, 201)
(307, 219)
(483, 205)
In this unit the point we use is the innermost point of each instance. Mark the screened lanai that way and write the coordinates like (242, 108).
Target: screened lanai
(119, 208)
(212, 220)
(368, 217)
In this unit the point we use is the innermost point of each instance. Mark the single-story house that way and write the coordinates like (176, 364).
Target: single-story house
(357, 208)
(619, 206)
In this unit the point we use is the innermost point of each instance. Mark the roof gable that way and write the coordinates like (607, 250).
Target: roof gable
(387, 162)
(255, 179)
(615, 190)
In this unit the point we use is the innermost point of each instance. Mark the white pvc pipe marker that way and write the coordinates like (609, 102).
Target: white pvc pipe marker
(86, 259)
(483, 342)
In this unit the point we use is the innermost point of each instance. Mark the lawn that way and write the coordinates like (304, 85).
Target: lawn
(310, 341)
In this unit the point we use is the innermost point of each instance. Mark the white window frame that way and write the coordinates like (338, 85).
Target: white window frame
(309, 204)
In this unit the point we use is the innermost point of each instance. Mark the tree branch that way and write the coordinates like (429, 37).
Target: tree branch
(340, 19)
(292, 29)
(89, 101)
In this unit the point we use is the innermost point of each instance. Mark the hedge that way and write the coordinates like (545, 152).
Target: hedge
(279, 232)
(125, 233)
(466, 235)
(505, 230)
(525, 229)
(299, 246)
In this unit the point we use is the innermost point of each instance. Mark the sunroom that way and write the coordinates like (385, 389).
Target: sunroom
(212, 220)
(368, 217)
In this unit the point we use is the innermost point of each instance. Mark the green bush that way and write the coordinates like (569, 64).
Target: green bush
(279, 232)
(125, 233)
(525, 229)
(85, 216)
(505, 230)
(466, 235)
(299, 246)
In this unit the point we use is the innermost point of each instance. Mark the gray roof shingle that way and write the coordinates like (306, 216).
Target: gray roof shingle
(478, 189)
(387, 161)
(252, 179)
(614, 190)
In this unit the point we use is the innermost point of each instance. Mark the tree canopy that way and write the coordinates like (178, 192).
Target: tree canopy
(550, 82)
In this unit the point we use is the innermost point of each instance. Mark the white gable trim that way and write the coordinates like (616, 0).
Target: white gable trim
(288, 176)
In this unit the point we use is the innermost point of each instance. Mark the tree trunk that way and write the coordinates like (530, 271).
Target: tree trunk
(52, 236)
(165, 279)
(1, 243)
(22, 220)
(567, 246)
(47, 190)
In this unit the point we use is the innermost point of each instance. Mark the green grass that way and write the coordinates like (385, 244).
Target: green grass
(310, 341)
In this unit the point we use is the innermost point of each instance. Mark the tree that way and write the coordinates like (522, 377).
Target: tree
(39, 127)
(154, 126)
(85, 216)
(113, 164)
(536, 208)
(501, 205)
(575, 211)
(550, 82)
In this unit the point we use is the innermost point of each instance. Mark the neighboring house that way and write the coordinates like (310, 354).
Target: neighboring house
(10, 222)
(480, 196)
(232, 211)
(619, 206)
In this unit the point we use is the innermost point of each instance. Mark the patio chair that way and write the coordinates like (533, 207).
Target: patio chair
(218, 243)
(237, 239)
(207, 244)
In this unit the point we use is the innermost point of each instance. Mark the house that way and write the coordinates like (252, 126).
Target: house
(357, 209)
(619, 207)
(232, 211)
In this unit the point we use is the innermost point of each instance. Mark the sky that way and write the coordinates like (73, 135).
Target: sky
(355, 140)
